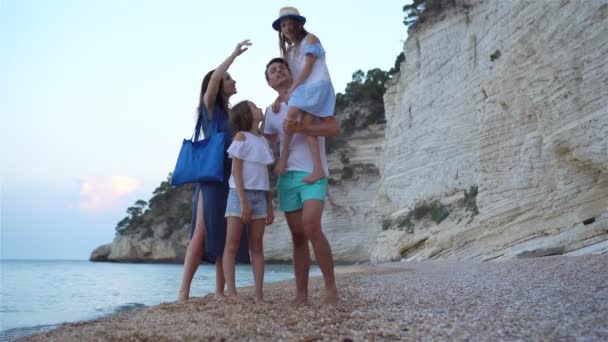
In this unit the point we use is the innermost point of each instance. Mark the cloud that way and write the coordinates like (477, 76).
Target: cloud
(104, 193)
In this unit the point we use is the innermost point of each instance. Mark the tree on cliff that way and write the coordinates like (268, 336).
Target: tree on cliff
(413, 12)
(419, 10)
(368, 87)
(168, 205)
(165, 186)
(135, 216)
(366, 90)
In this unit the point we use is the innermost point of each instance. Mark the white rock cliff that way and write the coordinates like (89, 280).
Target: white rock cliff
(510, 97)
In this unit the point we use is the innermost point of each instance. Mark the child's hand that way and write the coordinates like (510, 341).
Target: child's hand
(290, 127)
(276, 105)
(269, 215)
(280, 167)
(245, 212)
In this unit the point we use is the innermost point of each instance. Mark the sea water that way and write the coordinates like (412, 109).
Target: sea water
(39, 295)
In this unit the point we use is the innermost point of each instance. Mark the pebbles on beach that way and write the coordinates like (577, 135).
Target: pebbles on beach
(551, 298)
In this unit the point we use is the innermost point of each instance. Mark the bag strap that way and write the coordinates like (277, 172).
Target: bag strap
(199, 123)
(197, 128)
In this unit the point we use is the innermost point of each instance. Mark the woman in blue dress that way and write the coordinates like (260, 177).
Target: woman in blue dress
(208, 231)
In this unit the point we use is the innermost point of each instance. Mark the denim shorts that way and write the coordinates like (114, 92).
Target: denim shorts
(257, 202)
(293, 192)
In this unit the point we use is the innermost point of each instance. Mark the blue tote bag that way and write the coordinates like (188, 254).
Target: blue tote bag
(201, 161)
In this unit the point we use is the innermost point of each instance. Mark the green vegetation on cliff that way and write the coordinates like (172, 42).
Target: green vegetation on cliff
(362, 102)
(168, 205)
(420, 11)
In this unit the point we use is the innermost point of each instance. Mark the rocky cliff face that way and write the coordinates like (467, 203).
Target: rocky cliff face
(509, 98)
(494, 146)
(160, 235)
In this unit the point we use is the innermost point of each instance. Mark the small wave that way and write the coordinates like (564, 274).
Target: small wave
(8, 308)
(129, 307)
(15, 333)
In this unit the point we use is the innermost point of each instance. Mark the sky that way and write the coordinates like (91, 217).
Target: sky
(96, 97)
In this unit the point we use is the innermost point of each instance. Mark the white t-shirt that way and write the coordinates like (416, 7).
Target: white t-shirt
(256, 156)
(300, 157)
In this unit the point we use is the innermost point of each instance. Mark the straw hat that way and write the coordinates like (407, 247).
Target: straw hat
(288, 12)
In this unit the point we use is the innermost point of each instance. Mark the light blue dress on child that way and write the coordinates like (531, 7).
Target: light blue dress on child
(316, 95)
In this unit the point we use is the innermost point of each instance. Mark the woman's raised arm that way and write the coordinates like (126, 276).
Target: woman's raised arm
(216, 78)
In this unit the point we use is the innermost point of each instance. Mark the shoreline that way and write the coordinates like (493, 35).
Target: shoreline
(40, 317)
(160, 262)
(544, 298)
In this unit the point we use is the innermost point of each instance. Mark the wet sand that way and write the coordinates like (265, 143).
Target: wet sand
(546, 299)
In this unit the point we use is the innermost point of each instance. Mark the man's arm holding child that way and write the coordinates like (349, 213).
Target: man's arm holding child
(326, 127)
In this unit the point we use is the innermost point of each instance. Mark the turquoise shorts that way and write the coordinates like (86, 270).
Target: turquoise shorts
(293, 192)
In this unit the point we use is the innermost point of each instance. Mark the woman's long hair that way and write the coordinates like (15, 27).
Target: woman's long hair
(241, 117)
(285, 44)
(219, 98)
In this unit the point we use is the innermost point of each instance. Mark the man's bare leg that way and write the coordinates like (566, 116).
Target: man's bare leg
(301, 255)
(311, 219)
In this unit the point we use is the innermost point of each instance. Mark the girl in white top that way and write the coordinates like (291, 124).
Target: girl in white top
(312, 92)
(249, 197)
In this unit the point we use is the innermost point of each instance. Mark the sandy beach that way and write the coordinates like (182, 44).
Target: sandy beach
(546, 299)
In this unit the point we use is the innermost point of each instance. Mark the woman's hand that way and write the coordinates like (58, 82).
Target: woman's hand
(241, 47)
(245, 212)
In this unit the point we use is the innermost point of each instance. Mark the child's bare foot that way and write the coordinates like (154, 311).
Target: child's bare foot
(300, 300)
(330, 297)
(280, 168)
(183, 297)
(234, 297)
(315, 176)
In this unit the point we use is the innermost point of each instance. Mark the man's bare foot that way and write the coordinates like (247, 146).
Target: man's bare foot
(300, 300)
(260, 301)
(183, 296)
(314, 176)
(280, 168)
(219, 296)
(330, 298)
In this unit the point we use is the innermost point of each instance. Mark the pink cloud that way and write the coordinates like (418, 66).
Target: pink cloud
(104, 193)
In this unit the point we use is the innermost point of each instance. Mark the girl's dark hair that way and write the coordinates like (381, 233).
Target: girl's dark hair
(219, 98)
(285, 43)
(241, 117)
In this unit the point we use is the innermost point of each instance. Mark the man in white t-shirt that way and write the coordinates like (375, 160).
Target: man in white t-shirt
(301, 202)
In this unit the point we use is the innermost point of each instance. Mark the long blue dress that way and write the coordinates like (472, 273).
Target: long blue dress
(215, 196)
